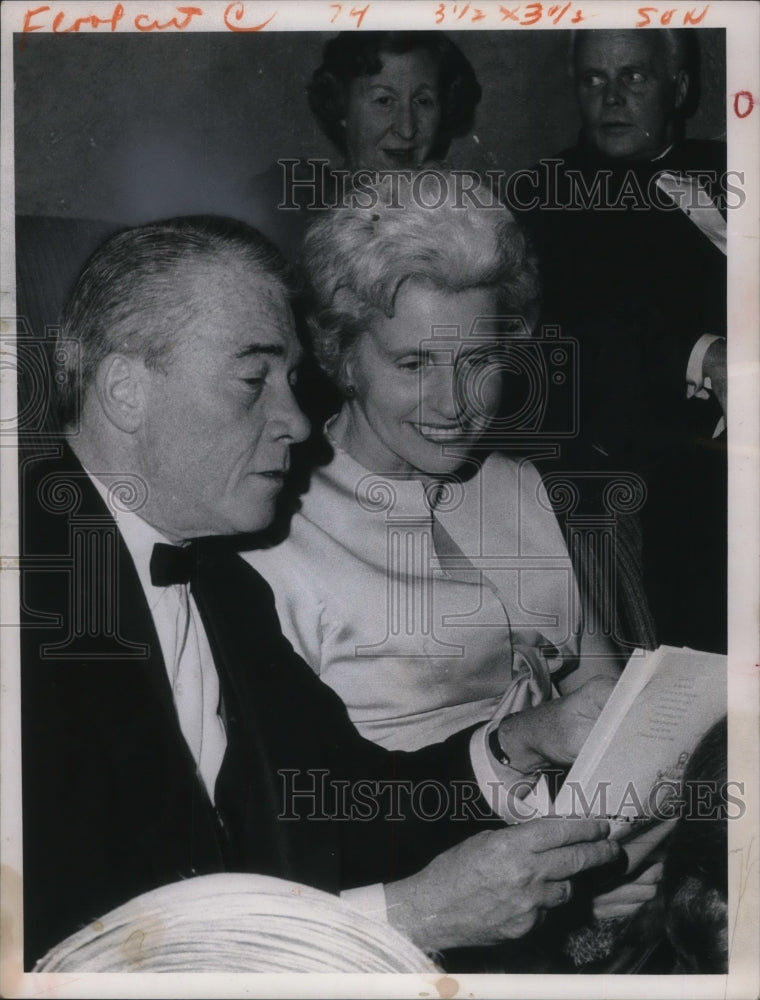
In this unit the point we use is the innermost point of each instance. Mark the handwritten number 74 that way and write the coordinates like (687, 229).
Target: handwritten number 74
(357, 12)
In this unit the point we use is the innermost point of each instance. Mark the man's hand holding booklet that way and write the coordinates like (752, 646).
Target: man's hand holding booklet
(630, 768)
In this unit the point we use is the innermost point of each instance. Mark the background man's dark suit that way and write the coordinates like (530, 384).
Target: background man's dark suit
(112, 805)
(637, 285)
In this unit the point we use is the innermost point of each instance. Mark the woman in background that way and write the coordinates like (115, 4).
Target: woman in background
(390, 100)
(425, 577)
(387, 100)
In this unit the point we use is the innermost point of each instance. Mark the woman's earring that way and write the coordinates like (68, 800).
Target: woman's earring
(350, 392)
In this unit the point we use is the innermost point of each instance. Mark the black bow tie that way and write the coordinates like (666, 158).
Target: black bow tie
(172, 564)
(187, 563)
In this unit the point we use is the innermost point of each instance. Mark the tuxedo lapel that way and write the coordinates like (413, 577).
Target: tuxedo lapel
(106, 627)
(242, 633)
(101, 744)
(281, 721)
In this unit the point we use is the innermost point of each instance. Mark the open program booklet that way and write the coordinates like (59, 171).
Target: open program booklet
(630, 767)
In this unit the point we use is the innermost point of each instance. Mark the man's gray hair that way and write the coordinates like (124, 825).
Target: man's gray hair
(131, 297)
(676, 44)
(355, 259)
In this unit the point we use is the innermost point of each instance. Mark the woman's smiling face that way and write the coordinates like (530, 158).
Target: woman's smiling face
(423, 399)
(393, 116)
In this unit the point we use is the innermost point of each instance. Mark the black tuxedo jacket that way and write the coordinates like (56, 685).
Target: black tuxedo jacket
(627, 273)
(631, 278)
(112, 805)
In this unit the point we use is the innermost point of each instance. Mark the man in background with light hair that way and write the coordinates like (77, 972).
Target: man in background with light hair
(630, 227)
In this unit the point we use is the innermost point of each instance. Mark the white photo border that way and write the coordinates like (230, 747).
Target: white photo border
(742, 24)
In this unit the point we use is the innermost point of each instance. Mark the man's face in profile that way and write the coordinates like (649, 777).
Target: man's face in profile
(220, 420)
(628, 91)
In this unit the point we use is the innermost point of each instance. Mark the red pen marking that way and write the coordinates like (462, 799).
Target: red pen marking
(744, 102)
(88, 21)
(237, 10)
(143, 23)
(652, 14)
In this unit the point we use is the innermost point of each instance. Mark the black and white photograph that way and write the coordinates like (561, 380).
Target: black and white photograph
(380, 499)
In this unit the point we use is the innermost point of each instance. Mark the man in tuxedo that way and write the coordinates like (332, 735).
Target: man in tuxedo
(168, 729)
(631, 233)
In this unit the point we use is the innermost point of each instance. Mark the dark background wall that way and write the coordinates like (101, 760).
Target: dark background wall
(130, 127)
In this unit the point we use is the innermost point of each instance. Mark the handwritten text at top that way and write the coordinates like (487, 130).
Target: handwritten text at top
(238, 16)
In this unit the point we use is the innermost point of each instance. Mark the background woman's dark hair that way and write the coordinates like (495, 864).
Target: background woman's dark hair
(353, 54)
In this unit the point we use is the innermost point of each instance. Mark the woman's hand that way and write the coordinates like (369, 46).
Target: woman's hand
(497, 884)
(599, 655)
(555, 731)
(625, 899)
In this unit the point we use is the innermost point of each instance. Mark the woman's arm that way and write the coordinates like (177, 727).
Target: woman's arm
(598, 655)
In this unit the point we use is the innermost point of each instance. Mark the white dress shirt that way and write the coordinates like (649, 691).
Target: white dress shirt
(184, 646)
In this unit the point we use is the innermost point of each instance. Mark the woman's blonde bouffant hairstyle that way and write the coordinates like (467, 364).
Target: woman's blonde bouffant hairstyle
(444, 228)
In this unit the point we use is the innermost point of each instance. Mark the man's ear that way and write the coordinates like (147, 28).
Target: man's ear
(682, 87)
(121, 392)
